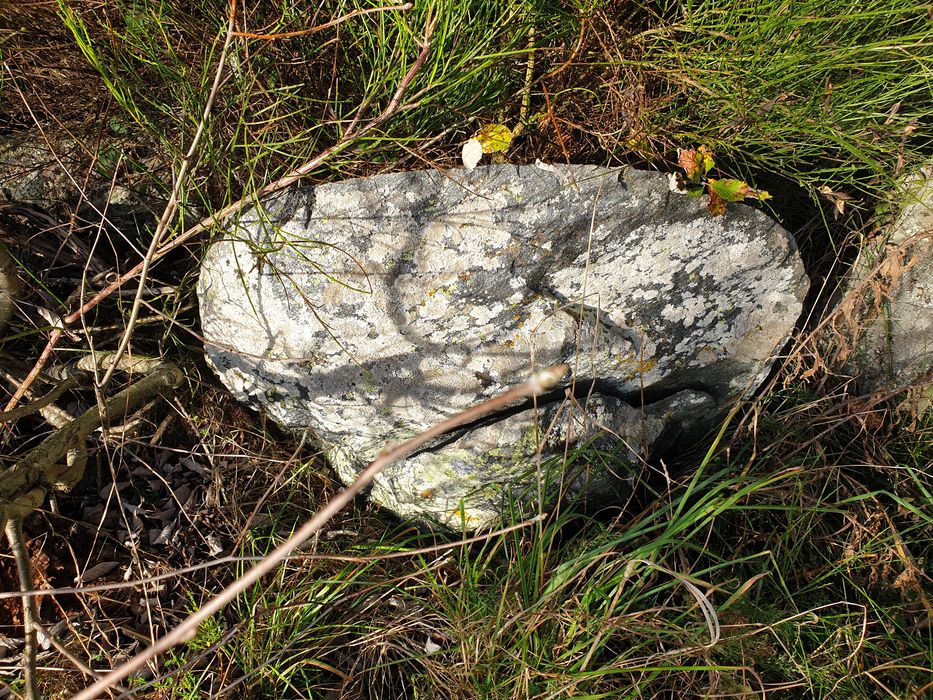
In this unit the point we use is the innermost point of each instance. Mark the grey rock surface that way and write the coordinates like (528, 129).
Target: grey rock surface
(896, 349)
(31, 172)
(63, 174)
(370, 309)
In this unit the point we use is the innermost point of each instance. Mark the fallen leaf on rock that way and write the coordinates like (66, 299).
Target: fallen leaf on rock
(471, 154)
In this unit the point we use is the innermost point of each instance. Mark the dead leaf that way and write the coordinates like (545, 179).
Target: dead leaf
(471, 154)
(838, 200)
(716, 204)
(97, 571)
(696, 163)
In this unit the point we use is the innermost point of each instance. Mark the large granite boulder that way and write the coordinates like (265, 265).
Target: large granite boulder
(370, 309)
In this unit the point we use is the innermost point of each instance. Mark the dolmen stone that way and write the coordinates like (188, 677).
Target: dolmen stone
(368, 310)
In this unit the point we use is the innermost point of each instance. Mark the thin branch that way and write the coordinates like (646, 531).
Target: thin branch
(539, 383)
(37, 405)
(526, 88)
(37, 368)
(14, 534)
(326, 25)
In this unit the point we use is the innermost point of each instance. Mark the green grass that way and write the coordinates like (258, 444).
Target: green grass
(800, 563)
(812, 549)
(832, 94)
(288, 99)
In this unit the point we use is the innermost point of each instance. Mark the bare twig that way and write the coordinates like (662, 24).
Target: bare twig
(526, 88)
(326, 25)
(37, 368)
(39, 404)
(538, 384)
(14, 534)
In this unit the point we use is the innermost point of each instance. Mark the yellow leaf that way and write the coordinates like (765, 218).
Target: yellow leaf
(494, 138)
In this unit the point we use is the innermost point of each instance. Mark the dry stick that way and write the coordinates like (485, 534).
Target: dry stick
(526, 88)
(172, 205)
(539, 383)
(326, 25)
(14, 533)
(37, 368)
(40, 467)
(35, 406)
(216, 218)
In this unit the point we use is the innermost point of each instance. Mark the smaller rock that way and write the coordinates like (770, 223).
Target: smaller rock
(894, 280)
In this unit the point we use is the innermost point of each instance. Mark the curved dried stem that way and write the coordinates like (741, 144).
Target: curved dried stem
(14, 534)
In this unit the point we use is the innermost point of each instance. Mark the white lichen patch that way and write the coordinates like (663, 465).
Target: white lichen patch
(370, 309)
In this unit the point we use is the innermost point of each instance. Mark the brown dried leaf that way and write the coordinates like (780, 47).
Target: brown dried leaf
(96, 572)
(696, 163)
(838, 200)
(716, 205)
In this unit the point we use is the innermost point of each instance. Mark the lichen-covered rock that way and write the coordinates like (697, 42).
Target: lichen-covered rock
(59, 175)
(894, 275)
(370, 309)
(31, 172)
